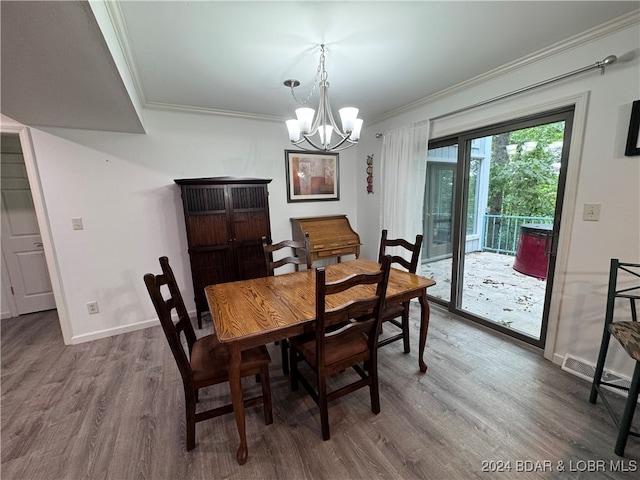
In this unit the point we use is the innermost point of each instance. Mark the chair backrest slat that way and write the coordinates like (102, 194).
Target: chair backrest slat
(164, 308)
(363, 313)
(414, 248)
(300, 253)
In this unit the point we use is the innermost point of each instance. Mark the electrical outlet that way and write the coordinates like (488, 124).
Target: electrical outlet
(92, 307)
(77, 223)
(591, 212)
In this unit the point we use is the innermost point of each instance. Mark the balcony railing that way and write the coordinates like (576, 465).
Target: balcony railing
(500, 233)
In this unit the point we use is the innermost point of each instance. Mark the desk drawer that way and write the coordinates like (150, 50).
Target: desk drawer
(337, 251)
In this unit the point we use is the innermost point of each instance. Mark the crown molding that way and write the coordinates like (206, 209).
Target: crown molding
(588, 36)
(120, 27)
(210, 111)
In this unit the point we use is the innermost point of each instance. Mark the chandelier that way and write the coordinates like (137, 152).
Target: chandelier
(305, 128)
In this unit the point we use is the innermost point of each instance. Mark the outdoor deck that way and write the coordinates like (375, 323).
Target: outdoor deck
(493, 290)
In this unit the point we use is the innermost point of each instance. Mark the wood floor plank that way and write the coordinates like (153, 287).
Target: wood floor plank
(114, 409)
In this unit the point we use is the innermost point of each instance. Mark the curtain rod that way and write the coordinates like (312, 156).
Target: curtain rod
(611, 59)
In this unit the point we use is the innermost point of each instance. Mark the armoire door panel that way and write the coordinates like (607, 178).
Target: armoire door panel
(251, 262)
(211, 267)
(206, 230)
(248, 197)
(204, 199)
(249, 225)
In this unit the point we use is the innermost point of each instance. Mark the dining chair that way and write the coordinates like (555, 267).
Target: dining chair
(329, 351)
(624, 283)
(299, 254)
(207, 361)
(391, 314)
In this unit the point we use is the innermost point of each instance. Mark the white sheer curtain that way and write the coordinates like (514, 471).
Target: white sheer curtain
(403, 167)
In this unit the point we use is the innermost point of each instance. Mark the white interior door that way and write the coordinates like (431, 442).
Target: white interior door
(21, 242)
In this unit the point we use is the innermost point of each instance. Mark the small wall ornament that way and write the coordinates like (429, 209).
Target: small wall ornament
(370, 173)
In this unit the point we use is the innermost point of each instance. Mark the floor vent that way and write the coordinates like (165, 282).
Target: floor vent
(586, 370)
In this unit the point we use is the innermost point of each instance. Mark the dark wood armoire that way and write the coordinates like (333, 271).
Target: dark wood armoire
(225, 218)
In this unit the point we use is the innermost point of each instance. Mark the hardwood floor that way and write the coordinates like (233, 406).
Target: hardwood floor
(113, 409)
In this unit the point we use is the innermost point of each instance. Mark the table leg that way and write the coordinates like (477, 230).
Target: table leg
(424, 326)
(238, 402)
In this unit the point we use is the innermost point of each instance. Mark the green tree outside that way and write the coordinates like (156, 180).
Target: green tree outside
(525, 182)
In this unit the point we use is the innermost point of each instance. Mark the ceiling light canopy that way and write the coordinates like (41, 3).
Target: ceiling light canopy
(309, 122)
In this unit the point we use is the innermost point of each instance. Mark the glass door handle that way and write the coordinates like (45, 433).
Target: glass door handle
(549, 248)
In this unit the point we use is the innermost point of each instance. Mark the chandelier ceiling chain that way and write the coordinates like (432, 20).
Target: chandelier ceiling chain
(308, 123)
(294, 83)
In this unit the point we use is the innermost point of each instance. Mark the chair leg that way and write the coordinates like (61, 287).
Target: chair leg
(373, 386)
(284, 347)
(629, 410)
(602, 356)
(322, 405)
(606, 334)
(266, 394)
(190, 407)
(405, 329)
(293, 365)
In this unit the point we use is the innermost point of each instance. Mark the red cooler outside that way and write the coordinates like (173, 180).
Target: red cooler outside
(531, 257)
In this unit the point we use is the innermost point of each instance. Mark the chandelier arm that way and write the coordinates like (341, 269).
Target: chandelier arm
(311, 142)
(337, 147)
(324, 113)
(351, 144)
(302, 147)
(344, 139)
(327, 106)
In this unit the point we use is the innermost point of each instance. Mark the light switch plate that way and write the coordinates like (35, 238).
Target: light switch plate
(591, 212)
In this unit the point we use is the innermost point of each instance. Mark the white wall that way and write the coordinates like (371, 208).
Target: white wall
(601, 174)
(122, 187)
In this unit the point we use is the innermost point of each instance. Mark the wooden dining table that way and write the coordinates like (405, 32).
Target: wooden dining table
(255, 312)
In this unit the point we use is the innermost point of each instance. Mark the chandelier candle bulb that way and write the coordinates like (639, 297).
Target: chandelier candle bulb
(325, 132)
(305, 118)
(348, 116)
(294, 130)
(355, 134)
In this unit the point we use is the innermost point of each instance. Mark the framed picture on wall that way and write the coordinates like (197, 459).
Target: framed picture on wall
(633, 139)
(312, 176)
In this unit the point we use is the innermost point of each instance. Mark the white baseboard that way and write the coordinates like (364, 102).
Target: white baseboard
(110, 332)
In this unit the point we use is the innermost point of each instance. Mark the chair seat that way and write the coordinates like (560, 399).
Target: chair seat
(628, 334)
(392, 312)
(210, 360)
(345, 346)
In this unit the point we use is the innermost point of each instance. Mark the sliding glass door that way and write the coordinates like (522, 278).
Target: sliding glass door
(493, 200)
(438, 220)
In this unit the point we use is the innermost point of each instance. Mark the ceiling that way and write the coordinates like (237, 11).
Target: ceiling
(232, 57)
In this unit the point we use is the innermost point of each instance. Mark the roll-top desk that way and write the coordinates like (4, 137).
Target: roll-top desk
(330, 236)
